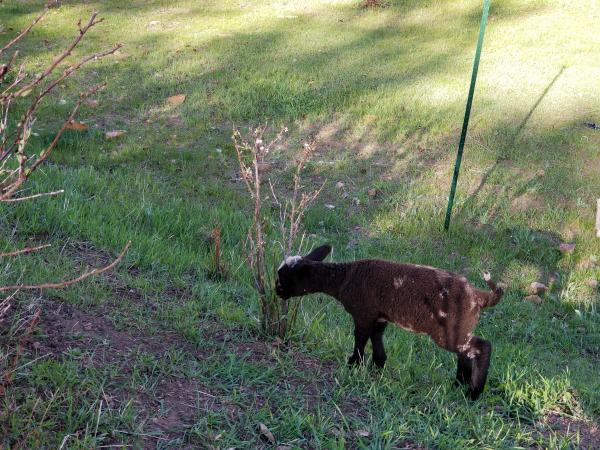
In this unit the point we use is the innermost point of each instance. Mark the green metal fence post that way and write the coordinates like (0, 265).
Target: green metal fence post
(463, 135)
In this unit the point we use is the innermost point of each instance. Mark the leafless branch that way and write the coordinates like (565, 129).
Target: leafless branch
(29, 197)
(24, 32)
(25, 170)
(63, 284)
(17, 164)
(24, 251)
(277, 318)
(5, 305)
(14, 142)
(60, 58)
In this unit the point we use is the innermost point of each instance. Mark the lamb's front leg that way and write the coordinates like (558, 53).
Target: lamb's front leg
(463, 369)
(362, 332)
(379, 356)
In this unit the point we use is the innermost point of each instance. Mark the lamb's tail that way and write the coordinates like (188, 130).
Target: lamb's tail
(491, 298)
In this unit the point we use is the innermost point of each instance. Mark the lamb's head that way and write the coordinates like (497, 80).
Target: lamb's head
(294, 275)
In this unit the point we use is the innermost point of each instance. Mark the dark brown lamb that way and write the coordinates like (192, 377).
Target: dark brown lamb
(419, 299)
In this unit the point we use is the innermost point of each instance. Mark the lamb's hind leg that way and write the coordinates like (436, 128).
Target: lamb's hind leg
(478, 351)
(362, 333)
(379, 355)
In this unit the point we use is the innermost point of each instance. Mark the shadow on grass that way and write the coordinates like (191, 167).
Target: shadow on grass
(510, 143)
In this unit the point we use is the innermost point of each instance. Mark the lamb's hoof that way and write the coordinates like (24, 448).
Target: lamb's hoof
(475, 393)
(355, 361)
(378, 365)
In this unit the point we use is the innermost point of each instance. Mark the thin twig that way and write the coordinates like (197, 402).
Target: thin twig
(6, 304)
(29, 197)
(63, 284)
(141, 434)
(115, 446)
(207, 394)
(11, 188)
(30, 362)
(66, 53)
(20, 137)
(24, 250)
(5, 68)
(24, 32)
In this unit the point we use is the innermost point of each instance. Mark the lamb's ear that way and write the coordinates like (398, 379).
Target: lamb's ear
(319, 253)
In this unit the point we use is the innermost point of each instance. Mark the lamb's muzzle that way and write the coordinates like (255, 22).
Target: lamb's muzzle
(419, 299)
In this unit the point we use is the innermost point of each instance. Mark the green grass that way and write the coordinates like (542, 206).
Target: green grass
(382, 92)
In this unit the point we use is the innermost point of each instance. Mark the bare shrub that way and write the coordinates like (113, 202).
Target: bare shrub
(270, 240)
(18, 163)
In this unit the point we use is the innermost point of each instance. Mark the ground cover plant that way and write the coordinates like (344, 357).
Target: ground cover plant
(163, 354)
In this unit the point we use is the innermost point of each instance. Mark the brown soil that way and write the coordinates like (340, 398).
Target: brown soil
(527, 202)
(175, 403)
(589, 433)
(64, 327)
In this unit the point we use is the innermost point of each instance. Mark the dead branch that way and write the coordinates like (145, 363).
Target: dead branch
(24, 172)
(66, 73)
(5, 68)
(29, 197)
(63, 284)
(14, 172)
(66, 53)
(276, 318)
(5, 305)
(24, 250)
(290, 225)
(24, 32)
(14, 143)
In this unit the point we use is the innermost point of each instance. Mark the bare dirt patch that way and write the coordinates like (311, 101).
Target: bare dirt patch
(167, 411)
(527, 202)
(64, 327)
(176, 403)
(589, 433)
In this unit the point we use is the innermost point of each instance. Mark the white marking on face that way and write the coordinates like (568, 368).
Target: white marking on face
(290, 261)
(473, 304)
(487, 276)
(398, 282)
(442, 314)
